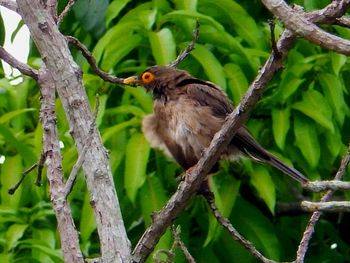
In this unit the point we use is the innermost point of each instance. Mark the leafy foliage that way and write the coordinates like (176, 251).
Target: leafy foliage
(303, 118)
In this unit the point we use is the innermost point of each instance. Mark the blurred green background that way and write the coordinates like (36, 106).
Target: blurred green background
(303, 118)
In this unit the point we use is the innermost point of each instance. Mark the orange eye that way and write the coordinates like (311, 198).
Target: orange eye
(147, 77)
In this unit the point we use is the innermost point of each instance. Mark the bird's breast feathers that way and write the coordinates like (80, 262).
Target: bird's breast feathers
(181, 122)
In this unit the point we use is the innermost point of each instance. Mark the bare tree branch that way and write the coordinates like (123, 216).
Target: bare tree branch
(13, 62)
(51, 148)
(9, 4)
(330, 206)
(327, 185)
(89, 57)
(13, 189)
(304, 243)
(67, 78)
(73, 175)
(342, 21)
(176, 231)
(297, 21)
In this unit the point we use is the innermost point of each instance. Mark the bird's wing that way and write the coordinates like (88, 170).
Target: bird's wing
(207, 94)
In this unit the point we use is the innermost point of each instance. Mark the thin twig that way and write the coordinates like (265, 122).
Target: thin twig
(320, 186)
(65, 11)
(273, 39)
(13, 189)
(89, 57)
(176, 232)
(343, 21)
(305, 241)
(188, 49)
(40, 168)
(330, 206)
(209, 196)
(13, 62)
(73, 174)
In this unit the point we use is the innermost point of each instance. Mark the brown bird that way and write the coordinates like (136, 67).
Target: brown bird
(187, 114)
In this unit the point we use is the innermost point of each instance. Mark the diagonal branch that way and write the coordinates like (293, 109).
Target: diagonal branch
(13, 62)
(89, 57)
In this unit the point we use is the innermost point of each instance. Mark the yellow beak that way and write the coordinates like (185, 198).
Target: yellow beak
(132, 81)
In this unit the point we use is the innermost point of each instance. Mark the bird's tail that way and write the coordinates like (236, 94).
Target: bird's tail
(294, 173)
(247, 144)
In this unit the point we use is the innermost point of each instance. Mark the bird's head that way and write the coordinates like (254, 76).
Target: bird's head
(158, 79)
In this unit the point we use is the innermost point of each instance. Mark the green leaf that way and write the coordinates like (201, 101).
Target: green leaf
(114, 9)
(315, 106)
(256, 228)
(26, 153)
(8, 116)
(333, 91)
(237, 81)
(137, 152)
(142, 97)
(240, 20)
(2, 32)
(338, 61)
(108, 44)
(182, 14)
(186, 5)
(13, 234)
(153, 197)
(118, 49)
(265, 187)
(306, 138)
(91, 15)
(280, 125)
(288, 86)
(163, 46)
(55, 254)
(334, 143)
(239, 54)
(113, 131)
(11, 171)
(210, 64)
(15, 32)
